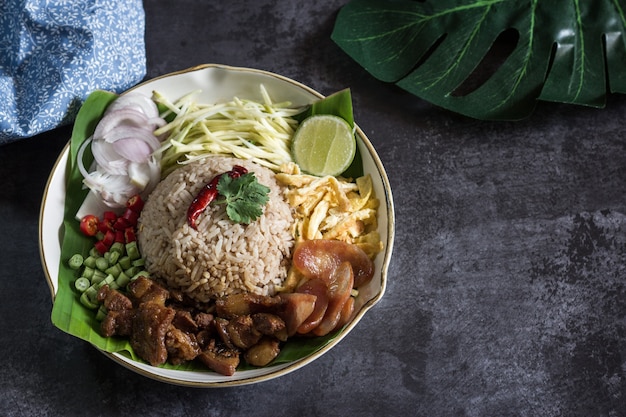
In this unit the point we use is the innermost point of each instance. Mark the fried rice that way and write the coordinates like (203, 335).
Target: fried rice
(220, 257)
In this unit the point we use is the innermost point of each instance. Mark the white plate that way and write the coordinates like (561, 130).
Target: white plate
(222, 83)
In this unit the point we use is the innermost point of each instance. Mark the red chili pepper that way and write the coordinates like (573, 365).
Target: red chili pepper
(101, 247)
(120, 224)
(107, 222)
(135, 203)
(119, 236)
(105, 225)
(109, 215)
(89, 225)
(131, 217)
(208, 193)
(129, 235)
(109, 238)
(128, 219)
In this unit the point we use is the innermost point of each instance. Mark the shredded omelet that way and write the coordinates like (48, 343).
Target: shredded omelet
(333, 208)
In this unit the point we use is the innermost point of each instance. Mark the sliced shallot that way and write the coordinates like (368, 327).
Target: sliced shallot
(132, 149)
(137, 101)
(123, 146)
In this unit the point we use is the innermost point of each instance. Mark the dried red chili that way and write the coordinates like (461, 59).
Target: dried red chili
(208, 193)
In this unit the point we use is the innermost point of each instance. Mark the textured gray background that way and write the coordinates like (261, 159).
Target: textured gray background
(507, 289)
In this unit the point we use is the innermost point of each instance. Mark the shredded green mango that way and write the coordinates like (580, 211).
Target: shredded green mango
(245, 129)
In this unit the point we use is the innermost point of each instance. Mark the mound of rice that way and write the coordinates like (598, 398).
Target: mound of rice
(220, 257)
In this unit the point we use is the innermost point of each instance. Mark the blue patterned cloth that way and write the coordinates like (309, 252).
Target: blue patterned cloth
(54, 53)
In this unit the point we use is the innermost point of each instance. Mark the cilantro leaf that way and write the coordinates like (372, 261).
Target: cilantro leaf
(244, 197)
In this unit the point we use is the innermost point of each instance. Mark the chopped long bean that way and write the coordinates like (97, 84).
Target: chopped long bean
(122, 280)
(102, 263)
(86, 301)
(114, 264)
(88, 272)
(90, 262)
(76, 261)
(114, 270)
(102, 313)
(125, 262)
(82, 284)
(117, 247)
(133, 251)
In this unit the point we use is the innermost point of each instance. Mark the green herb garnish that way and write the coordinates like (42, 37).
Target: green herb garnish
(244, 197)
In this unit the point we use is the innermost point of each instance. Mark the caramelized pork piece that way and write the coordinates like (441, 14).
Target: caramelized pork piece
(181, 346)
(203, 320)
(219, 358)
(184, 321)
(177, 295)
(150, 325)
(268, 324)
(246, 303)
(204, 337)
(113, 300)
(119, 318)
(242, 332)
(143, 290)
(263, 352)
(221, 328)
(138, 287)
(117, 323)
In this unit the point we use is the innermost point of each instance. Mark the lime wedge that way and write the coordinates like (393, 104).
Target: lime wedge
(323, 145)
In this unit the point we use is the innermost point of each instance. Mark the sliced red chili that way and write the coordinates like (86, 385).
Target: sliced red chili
(108, 239)
(101, 247)
(104, 226)
(108, 221)
(208, 193)
(120, 236)
(131, 217)
(89, 225)
(129, 234)
(135, 203)
(120, 224)
(109, 215)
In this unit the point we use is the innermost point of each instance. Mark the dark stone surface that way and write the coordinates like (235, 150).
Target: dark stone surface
(507, 289)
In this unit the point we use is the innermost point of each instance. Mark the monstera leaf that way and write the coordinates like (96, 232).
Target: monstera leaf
(571, 51)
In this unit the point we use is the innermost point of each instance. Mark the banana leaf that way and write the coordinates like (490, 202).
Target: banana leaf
(490, 59)
(68, 314)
